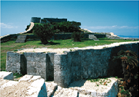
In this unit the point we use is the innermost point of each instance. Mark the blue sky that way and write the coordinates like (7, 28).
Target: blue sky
(120, 17)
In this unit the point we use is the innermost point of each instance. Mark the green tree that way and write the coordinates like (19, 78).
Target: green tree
(44, 31)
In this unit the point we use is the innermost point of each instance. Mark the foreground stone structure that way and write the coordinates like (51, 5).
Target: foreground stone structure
(35, 86)
(83, 63)
(27, 86)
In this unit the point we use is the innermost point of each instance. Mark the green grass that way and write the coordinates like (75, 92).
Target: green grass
(17, 75)
(12, 46)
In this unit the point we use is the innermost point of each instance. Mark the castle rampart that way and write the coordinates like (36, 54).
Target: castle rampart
(72, 65)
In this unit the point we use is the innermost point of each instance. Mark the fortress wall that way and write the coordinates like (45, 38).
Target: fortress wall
(36, 64)
(62, 70)
(86, 64)
(74, 65)
(36, 19)
(55, 37)
(15, 63)
(31, 63)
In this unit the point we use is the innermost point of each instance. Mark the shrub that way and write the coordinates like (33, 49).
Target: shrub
(76, 36)
(43, 31)
(67, 26)
(129, 63)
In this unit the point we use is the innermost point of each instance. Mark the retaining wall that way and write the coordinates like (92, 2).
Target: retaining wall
(84, 64)
(31, 63)
(55, 37)
(76, 65)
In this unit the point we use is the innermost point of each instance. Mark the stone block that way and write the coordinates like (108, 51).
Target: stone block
(51, 88)
(15, 63)
(36, 64)
(85, 88)
(6, 75)
(28, 86)
(62, 72)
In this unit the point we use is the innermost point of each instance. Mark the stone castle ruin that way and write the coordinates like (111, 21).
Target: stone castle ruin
(66, 66)
(47, 20)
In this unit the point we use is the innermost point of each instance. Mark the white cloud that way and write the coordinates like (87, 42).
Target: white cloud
(111, 27)
(3, 25)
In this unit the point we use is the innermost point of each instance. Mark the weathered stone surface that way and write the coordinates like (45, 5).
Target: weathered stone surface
(21, 39)
(50, 87)
(50, 66)
(103, 88)
(35, 86)
(28, 86)
(74, 65)
(15, 63)
(64, 92)
(61, 70)
(36, 64)
(6, 75)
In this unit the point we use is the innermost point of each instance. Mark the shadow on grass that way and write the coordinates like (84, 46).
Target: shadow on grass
(51, 43)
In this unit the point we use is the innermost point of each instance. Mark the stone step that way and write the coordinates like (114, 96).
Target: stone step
(21, 39)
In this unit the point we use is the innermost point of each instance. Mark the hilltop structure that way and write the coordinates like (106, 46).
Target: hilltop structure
(47, 20)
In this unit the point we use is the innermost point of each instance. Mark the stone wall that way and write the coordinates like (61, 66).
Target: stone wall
(15, 63)
(85, 64)
(74, 65)
(36, 19)
(31, 63)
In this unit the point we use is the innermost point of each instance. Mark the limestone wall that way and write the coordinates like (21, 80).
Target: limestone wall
(74, 65)
(85, 64)
(15, 63)
(31, 63)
